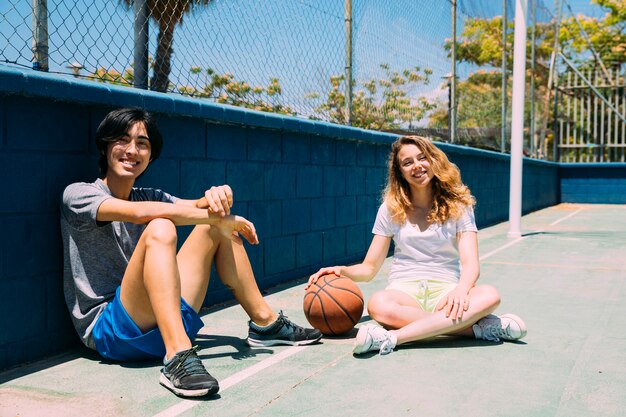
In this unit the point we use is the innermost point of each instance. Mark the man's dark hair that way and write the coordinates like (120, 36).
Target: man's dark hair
(117, 124)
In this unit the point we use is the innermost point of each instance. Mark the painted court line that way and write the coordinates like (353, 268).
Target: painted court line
(519, 239)
(556, 266)
(232, 380)
(244, 374)
(566, 217)
(501, 248)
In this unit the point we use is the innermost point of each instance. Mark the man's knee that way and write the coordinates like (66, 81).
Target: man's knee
(161, 231)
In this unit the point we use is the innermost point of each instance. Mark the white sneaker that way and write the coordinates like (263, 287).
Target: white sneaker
(372, 337)
(494, 328)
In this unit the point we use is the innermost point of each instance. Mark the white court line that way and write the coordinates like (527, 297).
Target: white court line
(566, 217)
(232, 380)
(501, 248)
(240, 376)
(519, 239)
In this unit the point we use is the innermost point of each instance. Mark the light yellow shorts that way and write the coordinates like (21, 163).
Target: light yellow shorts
(426, 292)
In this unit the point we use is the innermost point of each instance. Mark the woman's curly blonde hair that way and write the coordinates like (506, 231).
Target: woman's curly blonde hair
(450, 195)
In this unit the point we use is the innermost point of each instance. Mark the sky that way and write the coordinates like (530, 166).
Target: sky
(301, 42)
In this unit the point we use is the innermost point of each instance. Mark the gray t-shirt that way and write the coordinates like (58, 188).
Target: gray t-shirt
(96, 254)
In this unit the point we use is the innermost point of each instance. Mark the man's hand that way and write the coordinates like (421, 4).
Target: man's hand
(233, 226)
(219, 199)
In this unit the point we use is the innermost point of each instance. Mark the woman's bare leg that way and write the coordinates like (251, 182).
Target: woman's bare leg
(396, 310)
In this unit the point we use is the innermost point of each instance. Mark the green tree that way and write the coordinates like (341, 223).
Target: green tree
(225, 89)
(112, 76)
(482, 93)
(481, 44)
(378, 104)
(606, 35)
(167, 14)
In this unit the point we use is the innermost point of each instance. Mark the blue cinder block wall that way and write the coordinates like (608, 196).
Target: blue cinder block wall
(593, 183)
(311, 188)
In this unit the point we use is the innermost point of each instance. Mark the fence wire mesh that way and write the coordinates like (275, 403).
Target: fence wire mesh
(290, 57)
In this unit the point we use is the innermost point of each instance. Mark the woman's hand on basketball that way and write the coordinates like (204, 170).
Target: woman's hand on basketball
(232, 226)
(336, 270)
(219, 199)
(455, 303)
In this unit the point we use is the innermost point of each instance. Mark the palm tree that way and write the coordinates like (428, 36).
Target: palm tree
(167, 14)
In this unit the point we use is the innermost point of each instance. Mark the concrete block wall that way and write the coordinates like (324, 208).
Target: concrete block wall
(311, 188)
(593, 183)
(487, 174)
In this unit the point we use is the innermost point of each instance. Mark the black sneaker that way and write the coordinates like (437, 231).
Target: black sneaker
(185, 375)
(282, 332)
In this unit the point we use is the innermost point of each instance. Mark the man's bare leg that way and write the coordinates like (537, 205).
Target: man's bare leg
(151, 288)
(195, 258)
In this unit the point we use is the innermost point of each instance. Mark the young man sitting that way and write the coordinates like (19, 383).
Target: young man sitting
(130, 294)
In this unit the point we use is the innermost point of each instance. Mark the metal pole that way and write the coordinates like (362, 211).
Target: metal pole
(532, 78)
(503, 110)
(556, 126)
(453, 78)
(517, 120)
(142, 14)
(599, 147)
(552, 83)
(40, 35)
(348, 23)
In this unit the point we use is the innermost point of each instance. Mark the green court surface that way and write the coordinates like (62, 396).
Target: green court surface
(565, 277)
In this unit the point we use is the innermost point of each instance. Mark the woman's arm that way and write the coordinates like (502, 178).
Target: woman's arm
(457, 301)
(468, 253)
(366, 270)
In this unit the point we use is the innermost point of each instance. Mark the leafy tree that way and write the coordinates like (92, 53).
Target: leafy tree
(481, 44)
(606, 35)
(225, 89)
(482, 93)
(378, 104)
(112, 76)
(167, 14)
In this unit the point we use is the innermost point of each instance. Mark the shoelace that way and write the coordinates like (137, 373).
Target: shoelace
(496, 332)
(284, 321)
(379, 339)
(189, 363)
(385, 347)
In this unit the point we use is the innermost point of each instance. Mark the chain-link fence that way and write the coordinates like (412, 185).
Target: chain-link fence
(282, 56)
(369, 63)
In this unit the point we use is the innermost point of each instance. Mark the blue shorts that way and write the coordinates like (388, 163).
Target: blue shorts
(117, 337)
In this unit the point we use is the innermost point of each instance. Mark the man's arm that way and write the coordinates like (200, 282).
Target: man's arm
(141, 212)
(217, 199)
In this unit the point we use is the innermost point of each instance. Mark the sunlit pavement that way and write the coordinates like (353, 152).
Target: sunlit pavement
(565, 277)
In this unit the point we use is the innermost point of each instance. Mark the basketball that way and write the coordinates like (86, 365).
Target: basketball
(333, 305)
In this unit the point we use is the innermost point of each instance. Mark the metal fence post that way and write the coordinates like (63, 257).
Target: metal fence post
(142, 14)
(348, 22)
(503, 108)
(531, 138)
(452, 92)
(40, 35)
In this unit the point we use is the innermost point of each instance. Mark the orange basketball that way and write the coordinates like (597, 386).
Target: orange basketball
(333, 304)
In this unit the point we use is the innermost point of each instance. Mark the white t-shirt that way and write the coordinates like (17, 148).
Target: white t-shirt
(432, 254)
